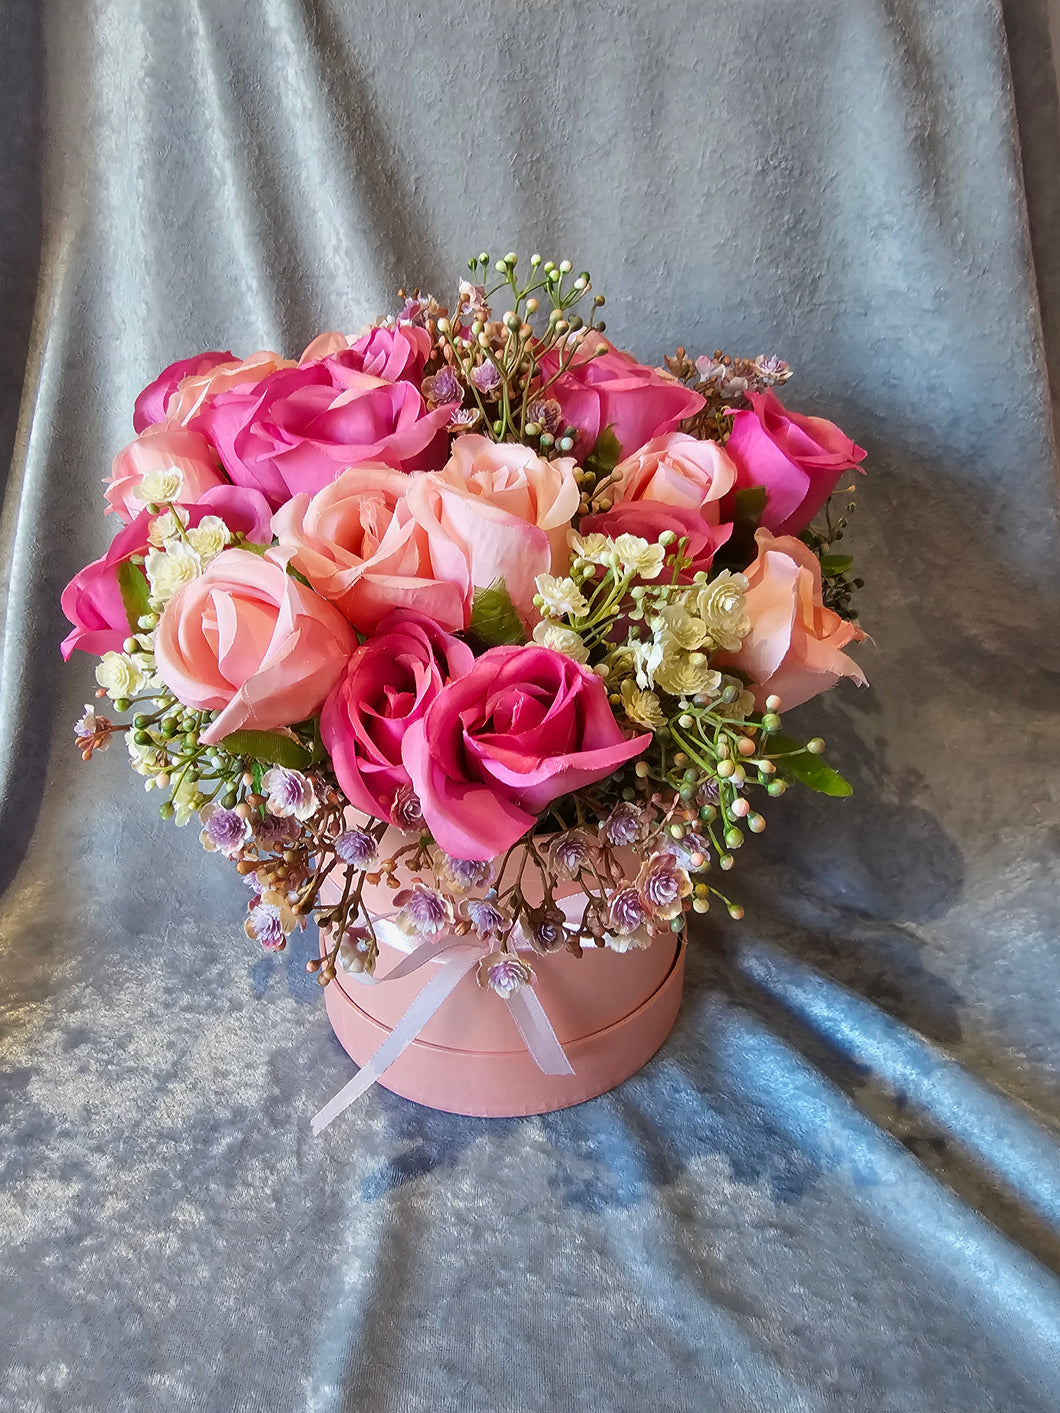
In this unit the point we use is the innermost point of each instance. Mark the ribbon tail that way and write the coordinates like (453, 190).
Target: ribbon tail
(412, 961)
(448, 976)
(536, 1029)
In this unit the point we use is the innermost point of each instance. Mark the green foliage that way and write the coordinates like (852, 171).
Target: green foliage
(605, 455)
(493, 617)
(132, 583)
(833, 564)
(795, 762)
(739, 550)
(268, 747)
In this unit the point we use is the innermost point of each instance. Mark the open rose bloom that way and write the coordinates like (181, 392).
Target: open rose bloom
(471, 624)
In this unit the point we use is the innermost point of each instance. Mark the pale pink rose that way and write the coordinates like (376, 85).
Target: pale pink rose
(798, 460)
(161, 447)
(475, 544)
(388, 684)
(523, 726)
(358, 544)
(151, 404)
(614, 390)
(237, 374)
(677, 470)
(794, 648)
(248, 640)
(518, 481)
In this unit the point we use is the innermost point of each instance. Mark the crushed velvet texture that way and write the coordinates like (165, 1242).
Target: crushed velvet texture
(837, 1186)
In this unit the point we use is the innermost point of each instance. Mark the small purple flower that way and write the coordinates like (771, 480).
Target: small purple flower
(223, 830)
(356, 847)
(628, 912)
(663, 885)
(264, 924)
(91, 732)
(707, 794)
(772, 369)
(289, 792)
(405, 812)
(547, 414)
(692, 847)
(465, 874)
(623, 825)
(504, 973)
(484, 915)
(569, 851)
(486, 377)
(441, 388)
(413, 307)
(273, 834)
(423, 910)
(545, 928)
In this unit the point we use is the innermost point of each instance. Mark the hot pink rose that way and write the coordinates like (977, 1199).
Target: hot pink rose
(162, 448)
(518, 481)
(151, 404)
(474, 543)
(239, 374)
(244, 511)
(522, 727)
(794, 648)
(616, 391)
(300, 427)
(248, 640)
(799, 460)
(676, 470)
(358, 545)
(389, 683)
(396, 351)
(92, 600)
(650, 519)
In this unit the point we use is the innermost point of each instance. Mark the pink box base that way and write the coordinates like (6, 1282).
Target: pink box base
(506, 1083)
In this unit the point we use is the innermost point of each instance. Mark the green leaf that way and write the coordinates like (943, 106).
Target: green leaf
(748, 504)
(740, 549)
(832, 564)
(493, 617)
(605, 455)
(132, 583)
(269, 747)
(251, 547)
(807, 769)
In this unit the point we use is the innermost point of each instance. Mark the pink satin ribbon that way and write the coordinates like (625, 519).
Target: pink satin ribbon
(455, 961)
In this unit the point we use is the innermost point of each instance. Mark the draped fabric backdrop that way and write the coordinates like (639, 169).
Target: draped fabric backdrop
(838, 1186)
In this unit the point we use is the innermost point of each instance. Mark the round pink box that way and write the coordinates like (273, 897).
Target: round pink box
(611, 1012)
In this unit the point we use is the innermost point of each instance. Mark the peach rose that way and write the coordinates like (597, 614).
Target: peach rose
(795, 644)
(176, 461)
(518, 481)
(151, 404)
(358, 545)
(474, 544)
(248, 640)
(239, 374)
(677, 470)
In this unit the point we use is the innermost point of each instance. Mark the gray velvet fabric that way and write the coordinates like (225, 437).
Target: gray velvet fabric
(838, 1186)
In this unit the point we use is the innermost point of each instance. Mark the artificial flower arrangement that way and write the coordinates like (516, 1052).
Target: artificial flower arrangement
(467, 615)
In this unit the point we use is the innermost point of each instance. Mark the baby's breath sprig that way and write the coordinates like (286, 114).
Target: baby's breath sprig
(498, 360)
